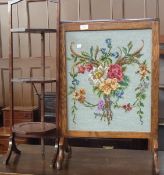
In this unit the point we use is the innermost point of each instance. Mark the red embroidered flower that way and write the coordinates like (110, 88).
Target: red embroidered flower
(115, 71)
(89, 67)
(81, 69)
(127, 107)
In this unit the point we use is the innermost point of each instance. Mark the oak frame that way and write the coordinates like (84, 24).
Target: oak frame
(111, 25)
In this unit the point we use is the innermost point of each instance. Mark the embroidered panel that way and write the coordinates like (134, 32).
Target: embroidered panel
(109, 80)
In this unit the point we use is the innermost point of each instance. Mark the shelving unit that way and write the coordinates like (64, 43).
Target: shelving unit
(30, 129)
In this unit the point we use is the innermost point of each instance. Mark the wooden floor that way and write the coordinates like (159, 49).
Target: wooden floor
(84, 161)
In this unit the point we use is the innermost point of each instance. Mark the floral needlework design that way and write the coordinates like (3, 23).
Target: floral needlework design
(106, 69)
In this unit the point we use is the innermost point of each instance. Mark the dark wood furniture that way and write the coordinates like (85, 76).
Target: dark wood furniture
(21, 114)
(30, 129)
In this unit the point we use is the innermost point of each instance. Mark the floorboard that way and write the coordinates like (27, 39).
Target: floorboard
(84, 161)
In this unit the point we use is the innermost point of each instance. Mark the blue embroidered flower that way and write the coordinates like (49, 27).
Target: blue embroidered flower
(75, 82)
(119, 94)
(108, 42)
(103, 50)
(115, 55)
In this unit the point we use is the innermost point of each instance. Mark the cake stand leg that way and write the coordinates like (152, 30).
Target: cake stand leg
(43, 147)
(11, 148)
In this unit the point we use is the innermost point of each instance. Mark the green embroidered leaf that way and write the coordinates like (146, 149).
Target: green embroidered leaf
(124, 69)
(91, 51)
(95, 89)
(147, 78)
(69, 59)
(143, 96)
(125, 50)
(130, 45)
(71, 90)
(75, 75)
(99, 93)
(141, 104)
(96, 51)
(85, 54)
(71, 74)
(75, 59)
(141, 116)
(141, 112)
(123, 83)
(138, 94)
(126, 78)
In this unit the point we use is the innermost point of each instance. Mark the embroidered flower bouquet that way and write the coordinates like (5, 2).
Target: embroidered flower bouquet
(106, 69)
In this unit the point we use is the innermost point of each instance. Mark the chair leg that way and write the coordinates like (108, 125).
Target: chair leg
(11, 148)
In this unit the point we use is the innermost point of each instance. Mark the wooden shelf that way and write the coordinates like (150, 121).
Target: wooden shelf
(34, 128)
(34, 80)
(32, 30)
(21, 108)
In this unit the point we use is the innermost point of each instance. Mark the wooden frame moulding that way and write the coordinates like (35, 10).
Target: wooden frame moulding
(102, 26)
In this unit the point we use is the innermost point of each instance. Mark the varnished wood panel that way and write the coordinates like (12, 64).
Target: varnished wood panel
(161, 15)
(5, 87)
(134, 9)
(4, 30)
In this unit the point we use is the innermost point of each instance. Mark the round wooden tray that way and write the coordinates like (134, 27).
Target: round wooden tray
(34, 128)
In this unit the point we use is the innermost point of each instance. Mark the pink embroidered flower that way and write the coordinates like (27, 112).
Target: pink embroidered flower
(89, 67)
(115, 71)
(81, 69)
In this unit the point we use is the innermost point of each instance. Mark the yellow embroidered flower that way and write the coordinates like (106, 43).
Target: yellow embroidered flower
(143, 70)
(98, 74)
(82, 92)
(79, 95)
(108, 85)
